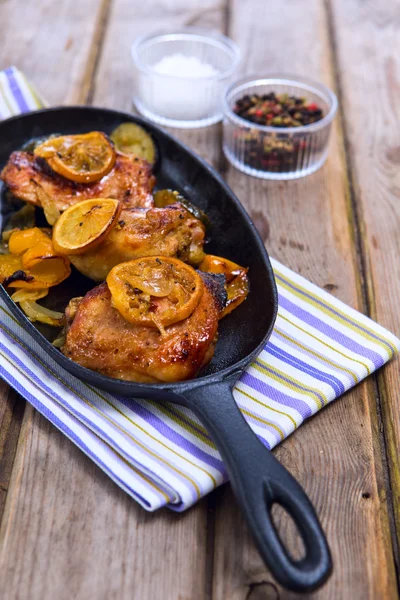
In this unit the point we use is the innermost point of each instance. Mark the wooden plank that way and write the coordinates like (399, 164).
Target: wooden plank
(370, 88)
(70, 532)
(11, 413)
(66, 46)
(40, 57)
(306, 225)
(113, 86)
(54, 43)
(350, 450)
(99, 542)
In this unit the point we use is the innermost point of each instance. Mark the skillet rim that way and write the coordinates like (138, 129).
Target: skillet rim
(178, 387)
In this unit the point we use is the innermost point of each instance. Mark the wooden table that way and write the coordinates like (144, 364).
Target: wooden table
(66, 531)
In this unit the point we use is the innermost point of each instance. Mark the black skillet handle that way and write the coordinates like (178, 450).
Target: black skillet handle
(259, 481)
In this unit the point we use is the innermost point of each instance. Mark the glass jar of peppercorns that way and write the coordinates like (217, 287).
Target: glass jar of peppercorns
(277, 127)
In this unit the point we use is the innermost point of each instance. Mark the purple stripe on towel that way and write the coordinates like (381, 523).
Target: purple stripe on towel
(293, 361)
(72, 435)
(334, 334)
(16, 91)
(276, 395)
(79, 416)
(343, 370)
(392, 348)
(170, 433)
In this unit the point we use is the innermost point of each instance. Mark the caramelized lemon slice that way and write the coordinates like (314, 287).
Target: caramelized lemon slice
(82, 158)
(237, 283)
(85, 224)
(155, 291)
(130, 138)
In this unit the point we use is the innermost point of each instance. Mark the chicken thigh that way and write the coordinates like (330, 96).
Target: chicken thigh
(170, 231)
(99, 338)
(29, 178)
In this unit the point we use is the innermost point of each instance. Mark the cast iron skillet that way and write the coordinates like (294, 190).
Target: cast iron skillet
(257, 478)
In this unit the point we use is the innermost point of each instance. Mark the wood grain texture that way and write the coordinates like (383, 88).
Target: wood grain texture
(307, 224)
(65, 47)
(55, 43)
(11, 413)
(370, 87)
(99, 542)
(113, 86)
(69, 532)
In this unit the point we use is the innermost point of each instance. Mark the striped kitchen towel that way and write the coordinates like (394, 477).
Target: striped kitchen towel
(159, 453)
(17, 94)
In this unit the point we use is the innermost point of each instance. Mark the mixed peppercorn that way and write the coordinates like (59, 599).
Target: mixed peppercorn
(278, 110)
(275, 151)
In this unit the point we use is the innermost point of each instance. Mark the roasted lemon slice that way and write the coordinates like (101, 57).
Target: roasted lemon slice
(237, 283)
(85, 224)
(130, 138)
(155, 291)
(82, 158)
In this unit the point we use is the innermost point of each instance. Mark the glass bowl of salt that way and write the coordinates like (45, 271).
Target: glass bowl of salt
(180, 76)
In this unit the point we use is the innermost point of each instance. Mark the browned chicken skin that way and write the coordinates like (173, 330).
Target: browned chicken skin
(170, 231)
(99, 338)
(97, 335)
(28, 178)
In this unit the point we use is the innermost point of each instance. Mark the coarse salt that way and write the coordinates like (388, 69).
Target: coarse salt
(184, 66)
(179, 88)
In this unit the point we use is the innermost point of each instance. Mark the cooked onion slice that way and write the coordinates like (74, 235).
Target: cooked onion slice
(51, 212)
(35, 312)
(59, 342)
(29, 295)
(27, 301)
